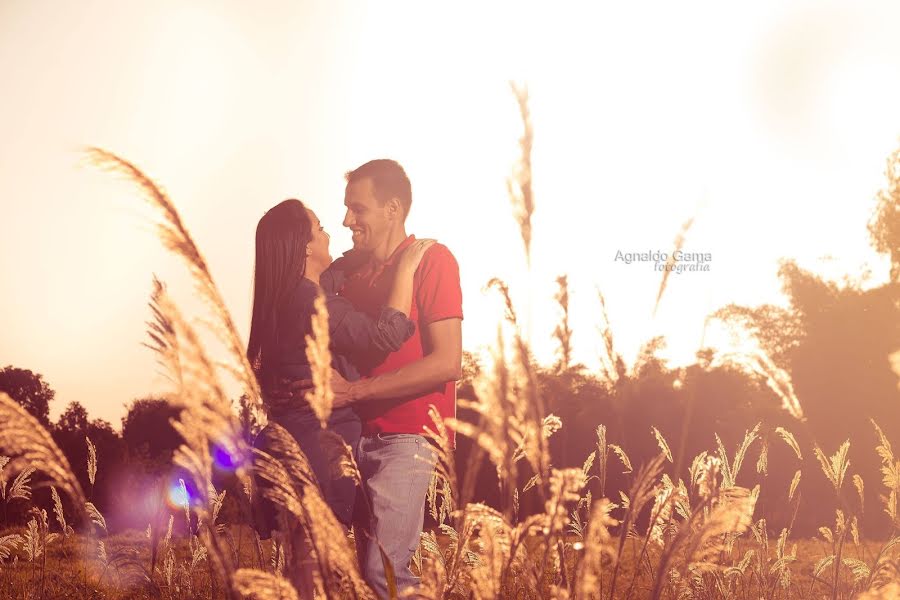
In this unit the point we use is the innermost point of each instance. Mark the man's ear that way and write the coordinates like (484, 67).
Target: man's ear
(395, 210)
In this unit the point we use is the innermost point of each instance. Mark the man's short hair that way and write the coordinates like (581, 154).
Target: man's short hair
(389, 180)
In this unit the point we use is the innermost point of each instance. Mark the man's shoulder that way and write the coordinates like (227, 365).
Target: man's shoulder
(438, 256)
(438, 289)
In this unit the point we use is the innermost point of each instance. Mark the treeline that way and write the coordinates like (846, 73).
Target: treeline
(832, 345)
(134, 473)
(833, 341)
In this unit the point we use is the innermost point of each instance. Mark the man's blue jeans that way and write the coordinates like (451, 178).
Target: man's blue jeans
(396, 471)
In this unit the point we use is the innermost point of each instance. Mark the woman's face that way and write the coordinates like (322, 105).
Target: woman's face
(318, 245)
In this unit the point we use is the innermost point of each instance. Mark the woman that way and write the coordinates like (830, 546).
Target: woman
(291, 255)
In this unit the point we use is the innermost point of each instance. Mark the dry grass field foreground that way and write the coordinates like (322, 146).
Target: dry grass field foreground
(74, 569)
(673, 531)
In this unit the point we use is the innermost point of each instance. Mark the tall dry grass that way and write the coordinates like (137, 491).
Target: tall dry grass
(676, 531)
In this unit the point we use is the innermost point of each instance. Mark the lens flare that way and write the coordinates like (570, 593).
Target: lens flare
(177, 496)
(181, 492)
(228, 460)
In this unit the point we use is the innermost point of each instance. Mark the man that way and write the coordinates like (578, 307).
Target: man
(394, 457)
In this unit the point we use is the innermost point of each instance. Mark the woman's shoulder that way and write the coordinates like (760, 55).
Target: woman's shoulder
(302, 296)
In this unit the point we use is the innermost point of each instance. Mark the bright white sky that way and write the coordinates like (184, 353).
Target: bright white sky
(770, 124)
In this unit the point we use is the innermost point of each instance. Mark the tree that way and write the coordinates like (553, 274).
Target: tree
(70, 431)
(884, 225)
(148, 432)
(834, 340)
(74, 418)
(30, 390)
(70, 434)
(778, 330)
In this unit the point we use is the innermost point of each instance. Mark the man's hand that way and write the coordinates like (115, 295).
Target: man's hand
(340, 388)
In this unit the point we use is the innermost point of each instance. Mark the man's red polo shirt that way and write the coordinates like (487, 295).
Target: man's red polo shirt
(436, 295)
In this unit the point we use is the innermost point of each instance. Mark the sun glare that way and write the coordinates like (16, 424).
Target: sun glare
(637, 128)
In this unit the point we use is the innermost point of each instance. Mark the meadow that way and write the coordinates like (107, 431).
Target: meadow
(679, 526)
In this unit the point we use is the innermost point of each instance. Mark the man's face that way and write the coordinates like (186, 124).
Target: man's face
(366, 217)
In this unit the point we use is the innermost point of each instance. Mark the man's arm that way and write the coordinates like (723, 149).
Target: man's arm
(442, 364)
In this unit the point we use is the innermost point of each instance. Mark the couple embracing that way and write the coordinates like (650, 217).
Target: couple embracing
(395, 312)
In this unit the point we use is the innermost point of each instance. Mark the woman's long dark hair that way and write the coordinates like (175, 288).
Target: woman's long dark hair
(281, 239)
